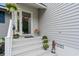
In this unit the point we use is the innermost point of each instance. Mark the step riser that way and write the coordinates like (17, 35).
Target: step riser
(23, 45)
(29, 52)
(26, 46)
(24, 41)
(15, 52)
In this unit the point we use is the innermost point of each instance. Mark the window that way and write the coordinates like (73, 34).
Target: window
(2, 17)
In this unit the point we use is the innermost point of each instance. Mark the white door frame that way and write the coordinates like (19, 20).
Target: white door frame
(20, 11)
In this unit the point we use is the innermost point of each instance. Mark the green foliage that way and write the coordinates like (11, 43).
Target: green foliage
(45, 41)
(2, 39)
(15, 36)
(45, 46)
(2, 45)
(44, 37)
(11, 6)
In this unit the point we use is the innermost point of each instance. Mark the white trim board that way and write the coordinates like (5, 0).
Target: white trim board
(21, 21)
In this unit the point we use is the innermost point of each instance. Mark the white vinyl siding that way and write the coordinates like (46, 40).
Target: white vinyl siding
(61, 23)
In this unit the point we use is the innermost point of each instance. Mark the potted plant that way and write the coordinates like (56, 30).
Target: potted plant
(44, 37)
(11, 7)
(45, 41)
(45, 46)
(2, 45)
(15, 36)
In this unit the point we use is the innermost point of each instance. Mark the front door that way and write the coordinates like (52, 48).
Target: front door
(26, 23)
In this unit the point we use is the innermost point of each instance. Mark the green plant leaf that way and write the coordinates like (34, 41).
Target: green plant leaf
(45, 45)
(11, 7)
(44, 37)
(45, 41)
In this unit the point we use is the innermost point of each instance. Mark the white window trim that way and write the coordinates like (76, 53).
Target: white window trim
(21, 22)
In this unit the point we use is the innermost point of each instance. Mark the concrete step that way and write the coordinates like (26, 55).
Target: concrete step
(35, 52)
(24, 40)
(39, 52)
(31, 42)
(29, 47)
(25, 48)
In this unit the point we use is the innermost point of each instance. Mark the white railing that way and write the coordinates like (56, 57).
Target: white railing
(8, 40)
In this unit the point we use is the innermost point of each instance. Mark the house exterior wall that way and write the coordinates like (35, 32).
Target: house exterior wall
(34, 11)
(60, 22)
(4, 26)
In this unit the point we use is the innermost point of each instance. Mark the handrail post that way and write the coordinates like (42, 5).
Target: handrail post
(8, 40)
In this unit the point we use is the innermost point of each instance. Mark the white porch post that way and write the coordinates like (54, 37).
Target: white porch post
(8, 46)
(9, 37)
(8, 40)
(20, 20)
(15, 20)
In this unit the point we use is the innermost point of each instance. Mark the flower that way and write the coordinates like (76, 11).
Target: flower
(36, 31)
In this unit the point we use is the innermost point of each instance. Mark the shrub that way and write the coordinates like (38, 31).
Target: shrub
(44, 37)
(3, 38)
(2, 45)
(45, 46)
(15, 36)
(45, 41)
(10, 6)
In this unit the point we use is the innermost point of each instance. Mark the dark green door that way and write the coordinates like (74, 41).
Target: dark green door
(25, 22)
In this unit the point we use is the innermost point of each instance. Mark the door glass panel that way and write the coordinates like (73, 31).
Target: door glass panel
(26, 23)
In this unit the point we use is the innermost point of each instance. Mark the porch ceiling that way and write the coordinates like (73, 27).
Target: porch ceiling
(36, 5)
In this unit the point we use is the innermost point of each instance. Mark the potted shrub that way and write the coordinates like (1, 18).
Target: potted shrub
(11, 7)
(2, 45)
(44, 37)
(45, 41)
(45, 46)
(15, 36)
